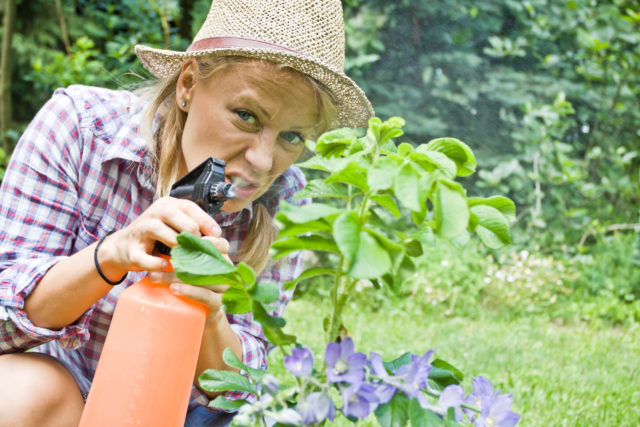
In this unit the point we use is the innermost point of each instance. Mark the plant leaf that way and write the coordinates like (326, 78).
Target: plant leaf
(223, 403)
(217, 380)
(306, 213)
(444, 374)
(492, 226)
(380, 175)
(236, 301)
(456, 150)
(271, 326)
(311, 272)
(346, 235)
(451, 212)
(246, 273)
(313, 243)
(405, 149)
(398, 362)
(198, 262)
(395, 413)
(232, 360)
(387, 202)
(503, 204)
(405, 187)
(317, 188)
(433, 159)
(413, 247)
(421, 417)
(371, 260)
(265, 292)
(352, 173)
(287, 228)
(384, 241)
(335, 142)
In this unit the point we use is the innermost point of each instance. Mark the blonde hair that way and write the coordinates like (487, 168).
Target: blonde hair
(163, 125)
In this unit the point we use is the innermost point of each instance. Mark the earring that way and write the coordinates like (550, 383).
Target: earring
(184, 104)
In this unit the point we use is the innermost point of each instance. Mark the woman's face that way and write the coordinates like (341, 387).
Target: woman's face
(251, 116)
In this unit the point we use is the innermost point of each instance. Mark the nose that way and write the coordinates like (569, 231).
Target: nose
(260, 152)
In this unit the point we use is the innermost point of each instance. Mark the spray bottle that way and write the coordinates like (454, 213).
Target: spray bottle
(146, 368)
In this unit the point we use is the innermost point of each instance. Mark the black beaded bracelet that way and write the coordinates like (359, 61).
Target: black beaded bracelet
(95, 261)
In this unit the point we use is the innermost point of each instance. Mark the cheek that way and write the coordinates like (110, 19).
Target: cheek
(204, 137)
(285, 158)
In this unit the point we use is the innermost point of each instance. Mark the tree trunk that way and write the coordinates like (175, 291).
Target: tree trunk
(5, 76)
(186, 7)
(63, 28)
(164, 13)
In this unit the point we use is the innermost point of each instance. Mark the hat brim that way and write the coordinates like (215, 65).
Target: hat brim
(353, 107)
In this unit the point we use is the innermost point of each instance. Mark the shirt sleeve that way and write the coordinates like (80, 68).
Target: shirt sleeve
(39, 220)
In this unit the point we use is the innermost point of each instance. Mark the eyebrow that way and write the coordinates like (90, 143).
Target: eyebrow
(246, 98)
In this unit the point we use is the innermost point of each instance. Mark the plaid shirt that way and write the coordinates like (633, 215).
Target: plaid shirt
(80, 170)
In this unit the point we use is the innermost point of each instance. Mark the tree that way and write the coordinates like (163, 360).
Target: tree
(5, 70)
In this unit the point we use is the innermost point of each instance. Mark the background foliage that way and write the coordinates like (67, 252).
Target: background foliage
(544, 91)
(546, 94)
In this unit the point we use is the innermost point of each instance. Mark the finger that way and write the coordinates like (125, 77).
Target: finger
(201, 294)
(206, 224)
(163, 277)
(220, 289)
(220, 243)
(180, 221)
(155, 229)
(140, 260)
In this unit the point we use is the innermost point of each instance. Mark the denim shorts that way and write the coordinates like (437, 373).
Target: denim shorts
(201, 417)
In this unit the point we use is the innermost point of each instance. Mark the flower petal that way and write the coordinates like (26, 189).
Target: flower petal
(332, 353)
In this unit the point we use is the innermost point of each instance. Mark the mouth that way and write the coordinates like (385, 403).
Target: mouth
(244, 188)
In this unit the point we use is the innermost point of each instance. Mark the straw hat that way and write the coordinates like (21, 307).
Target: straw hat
(307, 35)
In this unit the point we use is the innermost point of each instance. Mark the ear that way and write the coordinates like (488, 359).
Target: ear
(186, 84)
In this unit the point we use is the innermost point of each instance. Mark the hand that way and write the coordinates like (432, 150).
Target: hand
(132, 247)
(210, 296)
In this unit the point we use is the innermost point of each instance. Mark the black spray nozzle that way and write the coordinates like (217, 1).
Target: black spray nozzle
(205, 185)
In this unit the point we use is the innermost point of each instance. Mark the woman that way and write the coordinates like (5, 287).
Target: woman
(95, 165)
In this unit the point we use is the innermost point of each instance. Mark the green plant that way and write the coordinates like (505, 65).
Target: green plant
(374, 182)
(611, 267)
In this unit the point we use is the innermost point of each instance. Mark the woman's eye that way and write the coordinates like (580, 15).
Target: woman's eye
(293, 138)
(246, 116)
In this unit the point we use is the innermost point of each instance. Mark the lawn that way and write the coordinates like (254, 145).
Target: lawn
(576, 374)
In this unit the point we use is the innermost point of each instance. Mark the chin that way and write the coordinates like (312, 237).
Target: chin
(235, 205)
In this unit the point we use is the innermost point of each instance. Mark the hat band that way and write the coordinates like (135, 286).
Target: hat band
(236, 42)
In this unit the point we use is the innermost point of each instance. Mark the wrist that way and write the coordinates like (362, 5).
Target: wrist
(217, 319)
(106, 260)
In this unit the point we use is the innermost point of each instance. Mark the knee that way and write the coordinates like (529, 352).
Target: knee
(37, 390)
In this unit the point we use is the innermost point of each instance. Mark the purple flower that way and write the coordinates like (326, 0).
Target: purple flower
(384, 391)
(481, 387)
(359, 400)
(495, 411)
(315, 408)
(270, 384)
(495, 408)
(343, 365)
(300, 363)
(415, 376)
(452, 397)
(284, 416)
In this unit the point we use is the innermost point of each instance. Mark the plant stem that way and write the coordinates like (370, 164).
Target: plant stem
(334, 320)
(339, 299)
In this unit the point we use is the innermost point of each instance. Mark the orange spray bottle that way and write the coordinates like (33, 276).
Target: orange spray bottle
(146, 368)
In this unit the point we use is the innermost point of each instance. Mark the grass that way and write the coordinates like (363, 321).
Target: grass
(559, 375)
